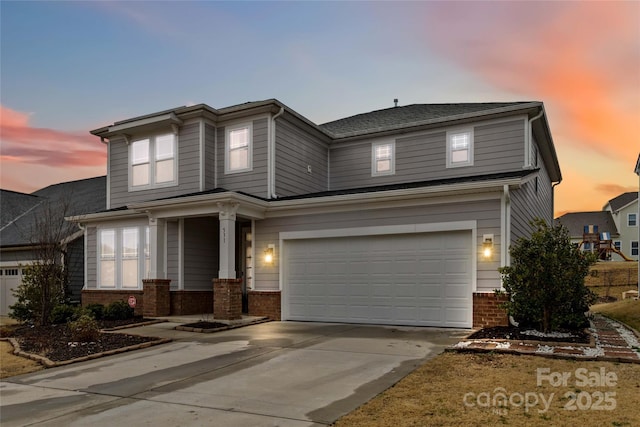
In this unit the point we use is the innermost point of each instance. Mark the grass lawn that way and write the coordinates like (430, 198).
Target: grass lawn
(627, 311)
(11, 365)
(435, 394)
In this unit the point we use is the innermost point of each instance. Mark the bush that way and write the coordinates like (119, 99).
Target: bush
(42, 289)
(85, 329)
(97, 310)
(118, 310)
(63, 314)
(546, 280)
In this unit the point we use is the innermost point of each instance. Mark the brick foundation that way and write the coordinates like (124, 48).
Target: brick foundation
(156, 297)
(265, 303)
(486, 310)
(104, 297)
(191, 302)
(227, 299)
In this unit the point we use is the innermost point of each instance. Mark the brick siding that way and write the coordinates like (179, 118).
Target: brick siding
(156, 297)
(486, 310)
(104, 297)
(264, 303)
(191, 302)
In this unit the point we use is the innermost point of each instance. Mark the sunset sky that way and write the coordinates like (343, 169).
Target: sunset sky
(69, 67)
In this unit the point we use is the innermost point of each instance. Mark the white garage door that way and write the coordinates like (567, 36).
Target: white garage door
(408, 279)
(10, 278)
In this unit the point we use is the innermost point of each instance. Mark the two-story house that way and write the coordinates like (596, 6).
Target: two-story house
(397, 216)
(624, 210)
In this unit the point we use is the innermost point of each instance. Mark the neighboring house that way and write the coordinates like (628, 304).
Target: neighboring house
(382, 217)
(624, 210)
(576, 222)
(22, 219)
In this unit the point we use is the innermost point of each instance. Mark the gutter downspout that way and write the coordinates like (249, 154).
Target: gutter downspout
(527, 155)
(505, 236)
(553, 197)
(271, 170)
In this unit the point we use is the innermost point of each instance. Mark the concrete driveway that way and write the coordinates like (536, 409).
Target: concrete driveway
(270, 374)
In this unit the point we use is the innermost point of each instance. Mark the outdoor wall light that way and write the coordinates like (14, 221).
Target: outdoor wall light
(487, 245)
(268, 253)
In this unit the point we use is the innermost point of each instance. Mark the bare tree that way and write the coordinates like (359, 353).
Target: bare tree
(45, 282)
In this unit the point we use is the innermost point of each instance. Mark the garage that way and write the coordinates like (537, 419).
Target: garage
(421, 279)
(10, 279)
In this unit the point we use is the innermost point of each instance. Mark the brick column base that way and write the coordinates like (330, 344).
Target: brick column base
(157, 300)
(487, 311)
(265, 303)
(227, 299)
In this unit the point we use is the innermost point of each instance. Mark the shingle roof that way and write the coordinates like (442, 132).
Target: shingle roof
(406, 115)
(575, 222)
(82, 196)
(13, 204)
(622, 200)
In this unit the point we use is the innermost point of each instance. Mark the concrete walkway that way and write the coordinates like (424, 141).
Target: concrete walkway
(612, 342)
(268, 374)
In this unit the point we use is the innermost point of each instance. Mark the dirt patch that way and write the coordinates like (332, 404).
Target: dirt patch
(515, 333)
(452, 390)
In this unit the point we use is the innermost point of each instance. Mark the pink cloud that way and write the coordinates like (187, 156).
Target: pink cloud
(582, 59)
(22, 143)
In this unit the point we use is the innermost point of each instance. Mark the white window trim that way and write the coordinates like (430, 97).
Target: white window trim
(629, 218)
(118, 257)
(227, 140)
(450, 134)
(152, 163)
(374, 160)
(617, 244)
(631, 247)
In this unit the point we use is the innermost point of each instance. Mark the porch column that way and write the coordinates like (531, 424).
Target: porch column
(157, 244)
(227, 217)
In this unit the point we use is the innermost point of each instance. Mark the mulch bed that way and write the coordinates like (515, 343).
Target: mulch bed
(206, 325)
(515, 333)
(55, 343)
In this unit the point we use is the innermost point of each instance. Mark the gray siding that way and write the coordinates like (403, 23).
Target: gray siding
(173, 247)
(533, 199)
(75, 265)
(17, 256)
(498, 147)
(92, 258)
(487, 214)
(188, 169)
(255, 181)
(209, 157)
(296, 149)
(200, 253)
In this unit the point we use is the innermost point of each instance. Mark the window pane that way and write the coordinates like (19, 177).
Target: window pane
(383, 166)
(140, 151)
(239, 138)
(632, 220)
(130, 242)
(140, 174)
(130, 273)
(239, 159)
(107, 243)
(164, 171)
(383, 151)
(460, 156)
(164, 147)
(460, 141)
(107, 274)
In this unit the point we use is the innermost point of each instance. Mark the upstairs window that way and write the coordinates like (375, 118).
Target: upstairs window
(153, 162)
(460, 148)
(383, 159)
(238, 149)
(632, 220)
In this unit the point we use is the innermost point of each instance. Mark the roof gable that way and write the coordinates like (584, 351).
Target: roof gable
(575, 222)
(622, 200)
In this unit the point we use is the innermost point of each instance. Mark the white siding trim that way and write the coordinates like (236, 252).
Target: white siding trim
(109, 175)
(201, 153)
